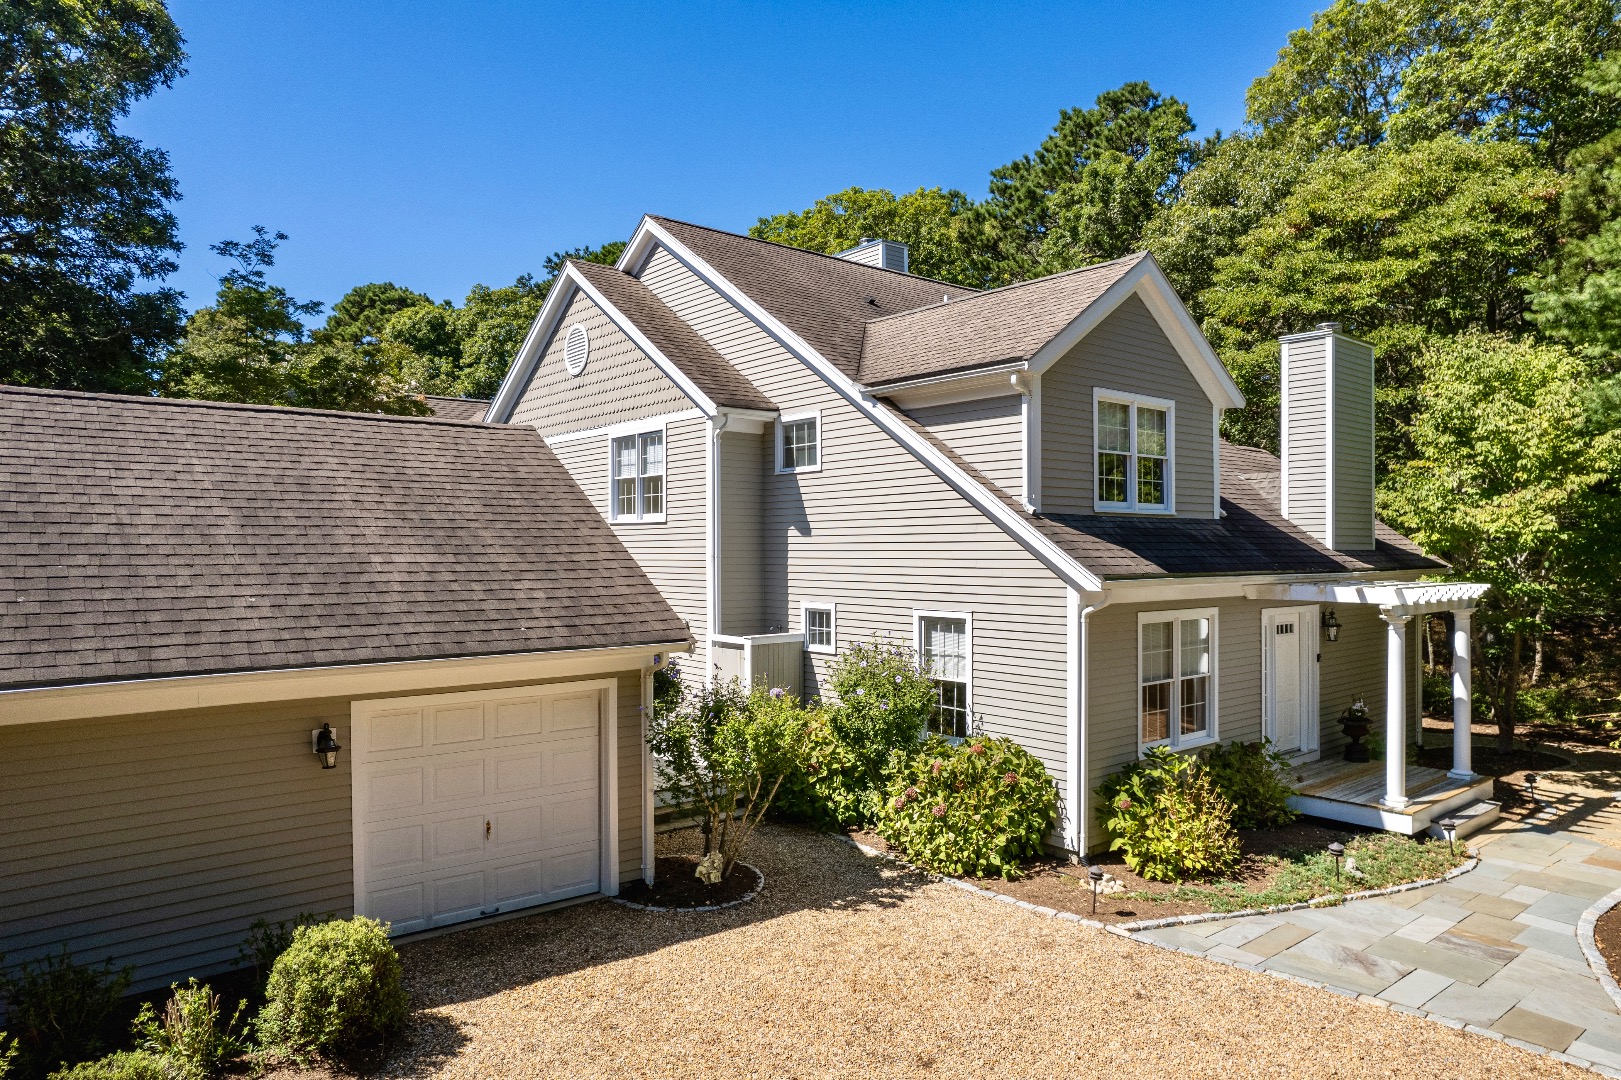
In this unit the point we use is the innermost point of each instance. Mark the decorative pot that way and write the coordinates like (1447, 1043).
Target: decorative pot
(1356, 723)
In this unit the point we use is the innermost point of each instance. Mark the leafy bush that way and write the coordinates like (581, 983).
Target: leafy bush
(977, 807)
(1250, 776)
(1168, 818)
(124, 1065)
(1546, 705)
(58, 1009)
(8, 1054)
(667, 688)
(188, 1034)
(826, 785)
(884, 701)
(267, 940)
(336, 989)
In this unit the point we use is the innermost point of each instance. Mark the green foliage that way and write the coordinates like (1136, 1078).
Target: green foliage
(726, 750)
(57, 1009)
(337, 989)
(366, 309)
(883, 702)
(667, 688)
(8, 1055)
(1249, 775)
(86, 217)
(1168, 818)
(188, 1035)
(977, 807)
(929, 221)
(267, 940)
(124, 1065)
(828, 786)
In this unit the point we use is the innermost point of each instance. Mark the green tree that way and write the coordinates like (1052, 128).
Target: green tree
(84, 217)
(365, 309)
(1514, 482)
(1090, 189)
(929, 221)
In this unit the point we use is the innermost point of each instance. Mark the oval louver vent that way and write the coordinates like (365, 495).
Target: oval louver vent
(576, 349)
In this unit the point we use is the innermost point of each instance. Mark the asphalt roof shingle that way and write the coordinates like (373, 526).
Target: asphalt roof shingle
(456, 408)
(142, 538)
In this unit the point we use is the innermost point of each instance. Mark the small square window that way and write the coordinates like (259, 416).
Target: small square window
(819, 629)
(799, 444)
(637, 484)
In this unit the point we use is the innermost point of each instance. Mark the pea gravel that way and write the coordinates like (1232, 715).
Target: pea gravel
(846, 965)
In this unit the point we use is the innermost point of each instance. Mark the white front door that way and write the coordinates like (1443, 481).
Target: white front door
(1289, 679)
(476, 803)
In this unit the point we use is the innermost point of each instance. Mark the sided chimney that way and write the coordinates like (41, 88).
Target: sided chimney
(1327, 436)
(884, 254)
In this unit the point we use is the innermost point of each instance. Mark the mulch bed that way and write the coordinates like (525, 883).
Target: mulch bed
(1065, 887)
(1607, 936)
(677, 885)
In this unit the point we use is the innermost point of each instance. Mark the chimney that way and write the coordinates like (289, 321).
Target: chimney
(885, 254)
(1327, 436)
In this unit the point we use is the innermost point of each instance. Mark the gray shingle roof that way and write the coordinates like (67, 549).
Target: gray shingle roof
(456, 408)
(824, 299)
(696, 358)
(991, 327)
(142, 538)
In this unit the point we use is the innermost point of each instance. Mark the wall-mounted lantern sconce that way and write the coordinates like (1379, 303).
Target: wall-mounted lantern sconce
(325, 744)
(1331, 625)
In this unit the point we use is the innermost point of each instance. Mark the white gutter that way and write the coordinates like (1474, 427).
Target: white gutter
(1077, 736)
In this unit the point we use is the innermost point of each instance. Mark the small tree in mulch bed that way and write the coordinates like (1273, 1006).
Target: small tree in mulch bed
(725, 751)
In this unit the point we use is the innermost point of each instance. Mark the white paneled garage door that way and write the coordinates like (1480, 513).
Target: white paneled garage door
(478, 803)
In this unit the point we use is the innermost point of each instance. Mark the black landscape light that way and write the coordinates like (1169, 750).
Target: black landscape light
(1331, 625)
(1337, 850)
(1531, 779)
(1095, 873)
(1449, 829)
(326, 747)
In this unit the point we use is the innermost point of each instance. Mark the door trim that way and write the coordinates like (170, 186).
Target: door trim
(607, 777)
(1311, 709)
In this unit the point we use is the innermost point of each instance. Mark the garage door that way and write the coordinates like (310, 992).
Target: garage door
(474, 804)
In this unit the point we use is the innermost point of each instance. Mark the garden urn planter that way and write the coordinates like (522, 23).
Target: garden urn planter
(1356, 724)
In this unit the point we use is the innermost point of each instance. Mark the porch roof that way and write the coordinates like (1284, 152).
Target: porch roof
(1398, 597)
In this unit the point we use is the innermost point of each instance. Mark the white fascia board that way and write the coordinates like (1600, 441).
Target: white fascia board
(1148, 281)
(1409, 597)
(978, 383)
(1246, 586)
(523, 365)
(1056, 559)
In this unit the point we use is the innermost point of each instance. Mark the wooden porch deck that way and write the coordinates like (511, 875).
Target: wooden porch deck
(1351, 792)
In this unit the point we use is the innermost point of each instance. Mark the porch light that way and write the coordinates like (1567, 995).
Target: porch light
(1095, 873)
(1449, 829)
(1337, 850)
(1331, 625)
(326, 746)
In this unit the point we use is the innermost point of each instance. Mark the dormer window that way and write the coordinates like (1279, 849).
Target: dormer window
(1133, 459)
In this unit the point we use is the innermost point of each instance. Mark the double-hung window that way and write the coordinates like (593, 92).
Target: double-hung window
(818, 623)
(638, 476)
(799, 443)
(1134, 444)
(943, 646)
(1176, 665)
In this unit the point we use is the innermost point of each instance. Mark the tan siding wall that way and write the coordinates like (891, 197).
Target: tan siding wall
(671, 552)
(1353, 446)
(1126, 352)
(619, 383)
(743, 465)
(988, 434)
(157, 840)
(879, 534)
(1305, 447)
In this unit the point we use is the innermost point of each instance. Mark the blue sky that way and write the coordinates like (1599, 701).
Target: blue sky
(438, 145)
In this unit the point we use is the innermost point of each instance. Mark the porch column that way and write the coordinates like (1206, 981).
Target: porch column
(1462, 742)
(1395, 708)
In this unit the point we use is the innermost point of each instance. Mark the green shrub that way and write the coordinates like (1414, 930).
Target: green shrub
(267, 940)
(1168, 818)
(977, 807)
(8, 1055)
(1546, 705)
(58, 1010)
(826, 785)
(1250, 776)
(188, 1034)
(124, 1065)
(883, 706)
(337, 989)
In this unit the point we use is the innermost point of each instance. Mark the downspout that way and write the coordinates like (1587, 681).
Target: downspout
(717, 424)
(647, 774)
(1077, 735)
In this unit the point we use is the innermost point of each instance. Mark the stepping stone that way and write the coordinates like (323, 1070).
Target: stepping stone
(1494, 905)
(1415, 988)
(1520, 1023)
(1277, 939)
(1489, 950)
(1425, 928)
(1466, 969)
(1489, 928)
(1471, 1004)
(1549, 941)
(1560, 908)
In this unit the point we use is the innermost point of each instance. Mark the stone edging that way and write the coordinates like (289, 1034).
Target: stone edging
(759, 883)
(1595, 959)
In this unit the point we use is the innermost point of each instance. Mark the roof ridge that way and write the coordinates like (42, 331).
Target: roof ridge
(982, 294)
(819, 254)
(454, 397)
(239, 406)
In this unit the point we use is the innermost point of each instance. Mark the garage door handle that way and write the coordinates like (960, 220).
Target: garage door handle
(486, 830)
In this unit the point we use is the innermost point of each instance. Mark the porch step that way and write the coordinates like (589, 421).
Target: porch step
(1472, 818)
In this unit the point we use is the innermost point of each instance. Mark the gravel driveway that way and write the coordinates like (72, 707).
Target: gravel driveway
(846, 966)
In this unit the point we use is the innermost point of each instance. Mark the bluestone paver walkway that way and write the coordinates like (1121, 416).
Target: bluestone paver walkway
(1495, 948)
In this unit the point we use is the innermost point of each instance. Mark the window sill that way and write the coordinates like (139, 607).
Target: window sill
(821, 650)
(801, 469)
(1126, 508)
(654, 519)
(1186, 744)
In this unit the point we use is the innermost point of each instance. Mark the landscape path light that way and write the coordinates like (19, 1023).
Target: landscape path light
(1337, 850)
(1449, 829)
(1531, 779)
(1095, 873)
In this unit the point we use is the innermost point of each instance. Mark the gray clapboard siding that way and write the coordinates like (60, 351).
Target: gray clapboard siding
(743, 466)
(1129, 353)
(1353, 445)
(157, 840)
(988, 434)
(879, 534)
(619, 383)
(1305, 434)
(672, 552)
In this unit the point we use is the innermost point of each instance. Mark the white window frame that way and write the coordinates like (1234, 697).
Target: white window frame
(790, 418)
(1131, 505)
(1213, 703)
(967, 618)
(637, 429)
(832, 626)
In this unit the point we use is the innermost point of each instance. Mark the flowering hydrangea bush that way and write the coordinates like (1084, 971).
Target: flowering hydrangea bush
(977, 807)
(1169, 818)
(883, 699)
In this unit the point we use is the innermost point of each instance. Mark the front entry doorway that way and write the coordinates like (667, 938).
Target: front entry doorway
(1289, 680)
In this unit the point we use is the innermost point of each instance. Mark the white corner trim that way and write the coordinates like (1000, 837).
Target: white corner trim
(1331, 430)
(712, 539)
(1031, 407)
(649, 232)
(1215, 460)
(1283, 428)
